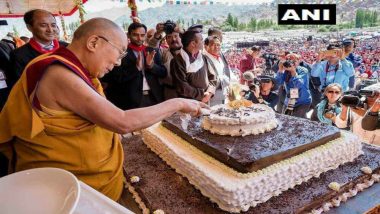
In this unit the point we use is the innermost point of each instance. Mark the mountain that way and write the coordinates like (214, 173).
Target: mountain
(188, 13)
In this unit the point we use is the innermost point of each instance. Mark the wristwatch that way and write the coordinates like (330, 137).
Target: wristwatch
(374, 114)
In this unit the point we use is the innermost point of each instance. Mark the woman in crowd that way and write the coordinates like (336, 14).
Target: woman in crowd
(327, 110)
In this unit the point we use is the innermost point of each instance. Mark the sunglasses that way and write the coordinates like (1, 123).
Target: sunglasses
(332, 92)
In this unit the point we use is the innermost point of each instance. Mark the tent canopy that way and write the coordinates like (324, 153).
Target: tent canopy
(17, 8)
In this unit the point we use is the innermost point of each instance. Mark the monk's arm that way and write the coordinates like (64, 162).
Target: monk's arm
(69, 92)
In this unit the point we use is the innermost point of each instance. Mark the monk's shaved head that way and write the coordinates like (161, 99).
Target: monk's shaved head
(96, 26)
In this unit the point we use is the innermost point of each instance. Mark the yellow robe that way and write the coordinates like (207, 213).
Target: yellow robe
(49, 138)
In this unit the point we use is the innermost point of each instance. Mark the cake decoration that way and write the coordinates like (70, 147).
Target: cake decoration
(135, 179)
(334, 186)
(366, 170)
(240, 119)
(158, 212)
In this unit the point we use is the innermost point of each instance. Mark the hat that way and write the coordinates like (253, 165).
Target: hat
(274, 81)
(195, 26)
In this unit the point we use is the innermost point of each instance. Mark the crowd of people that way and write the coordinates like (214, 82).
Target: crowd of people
(70, 101)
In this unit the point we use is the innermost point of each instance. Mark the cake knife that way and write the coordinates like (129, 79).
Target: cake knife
(185, 118)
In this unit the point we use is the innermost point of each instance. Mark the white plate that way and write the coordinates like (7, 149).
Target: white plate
(40, 190)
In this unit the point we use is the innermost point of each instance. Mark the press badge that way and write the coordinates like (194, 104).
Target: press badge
(294, 93)
(3, 83)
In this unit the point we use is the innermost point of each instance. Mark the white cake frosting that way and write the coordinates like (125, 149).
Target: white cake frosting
(375, 178)
(234, 191)
(224, 120)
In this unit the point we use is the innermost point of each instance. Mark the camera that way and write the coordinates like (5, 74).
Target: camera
(288, 63)
(269, 56)
(270, 61)
(169, 27)
(356, 98)
(257, 82)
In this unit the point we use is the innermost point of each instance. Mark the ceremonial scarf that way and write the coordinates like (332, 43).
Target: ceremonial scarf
(40, 49)
(194, 66)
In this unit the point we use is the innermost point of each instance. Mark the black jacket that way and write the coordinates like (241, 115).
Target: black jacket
(6, 69)
(125, 82)
(21, 56)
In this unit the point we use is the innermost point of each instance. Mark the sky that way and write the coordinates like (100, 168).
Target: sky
(92, 6)
(98, 5)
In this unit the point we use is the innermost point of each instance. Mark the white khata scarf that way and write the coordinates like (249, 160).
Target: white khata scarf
(196, 65)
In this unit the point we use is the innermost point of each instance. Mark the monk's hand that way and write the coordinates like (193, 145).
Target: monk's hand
(139, 61)
(207, 97)
(150, 59)
(192, 107)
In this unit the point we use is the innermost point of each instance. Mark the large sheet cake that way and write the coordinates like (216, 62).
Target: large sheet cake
(241, 172)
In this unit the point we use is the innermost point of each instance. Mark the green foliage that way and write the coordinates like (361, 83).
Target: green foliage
(15, 32)
(322, 29)
(366, 18)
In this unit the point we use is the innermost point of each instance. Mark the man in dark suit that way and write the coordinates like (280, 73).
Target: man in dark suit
(136, 82)
(43, 26)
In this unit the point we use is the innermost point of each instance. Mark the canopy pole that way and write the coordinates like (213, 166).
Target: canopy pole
(133, 6)
(65, 37)
(81, 10)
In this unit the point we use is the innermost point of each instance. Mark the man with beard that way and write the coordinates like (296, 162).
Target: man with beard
(173, 33)
(191, 76)
(136, 83)
(43, 26)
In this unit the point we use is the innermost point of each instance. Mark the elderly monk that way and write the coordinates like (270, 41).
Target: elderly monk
(57, 115)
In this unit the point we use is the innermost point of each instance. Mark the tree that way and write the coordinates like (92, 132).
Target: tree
(374, 19)
(236, 22)
(359, 19)
(230, 19)
(252, 24)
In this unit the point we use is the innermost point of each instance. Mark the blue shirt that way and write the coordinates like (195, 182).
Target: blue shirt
(356, 60)
(300, 81)
(338, 75)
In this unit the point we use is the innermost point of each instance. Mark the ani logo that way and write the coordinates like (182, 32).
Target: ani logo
(306, 14)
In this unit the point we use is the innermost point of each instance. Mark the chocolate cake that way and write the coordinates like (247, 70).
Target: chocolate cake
(254, 152)
(161, 188)
(237, 173)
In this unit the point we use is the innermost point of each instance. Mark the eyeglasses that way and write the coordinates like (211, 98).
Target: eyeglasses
(332, 92)
(122, 53)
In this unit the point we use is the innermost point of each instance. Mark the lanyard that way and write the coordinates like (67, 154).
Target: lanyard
(327, 71)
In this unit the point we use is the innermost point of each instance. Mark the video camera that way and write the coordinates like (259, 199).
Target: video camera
(270, 60)
(269, 56)
(356, 98)
(288, 63)
(254, 81)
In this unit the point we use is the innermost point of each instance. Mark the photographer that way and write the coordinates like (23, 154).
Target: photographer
(335, 69)
(298, 98)
(261, 91)
(173, 38)
(354, 109)
(327, 110)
